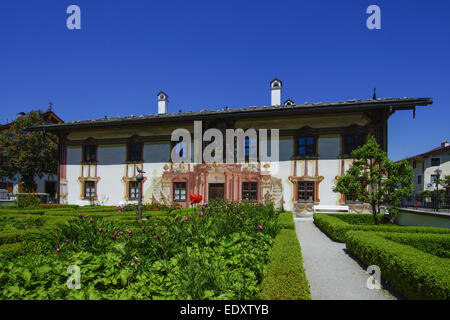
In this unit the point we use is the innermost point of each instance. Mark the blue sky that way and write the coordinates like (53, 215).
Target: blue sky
(212, 54)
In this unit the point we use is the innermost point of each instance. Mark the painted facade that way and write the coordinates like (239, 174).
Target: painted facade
(314, 147)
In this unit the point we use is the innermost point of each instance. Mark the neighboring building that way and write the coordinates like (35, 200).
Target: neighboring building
(99, 158)
(48, 184)
(424, 166)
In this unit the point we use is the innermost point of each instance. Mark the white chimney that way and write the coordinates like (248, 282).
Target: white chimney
(275, 92)
(163, 100)
(445, 144)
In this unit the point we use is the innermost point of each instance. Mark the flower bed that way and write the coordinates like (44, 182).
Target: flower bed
(215, 251)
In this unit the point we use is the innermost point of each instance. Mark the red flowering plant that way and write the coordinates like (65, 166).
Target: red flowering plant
(195, 199)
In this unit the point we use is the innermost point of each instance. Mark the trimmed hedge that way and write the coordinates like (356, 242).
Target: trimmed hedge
(286, 220)
(21, 211)
(336, 227)
(285, 279)
(410, 271)
(435, 244)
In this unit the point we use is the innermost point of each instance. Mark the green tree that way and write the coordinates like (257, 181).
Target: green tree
(447, 180)
(29, 154)
(373, 178)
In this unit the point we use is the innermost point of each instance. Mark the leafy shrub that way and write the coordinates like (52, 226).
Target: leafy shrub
(22, 211)
(436, 244)
(286, 220)
(410, 271)
(58, 206)
(335, 225)
(285, 279)
(217, 251)
(27, 201)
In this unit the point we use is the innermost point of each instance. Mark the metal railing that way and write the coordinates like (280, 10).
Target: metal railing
(427, 202)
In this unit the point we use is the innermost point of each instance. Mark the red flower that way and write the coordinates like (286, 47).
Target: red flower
(195, 198)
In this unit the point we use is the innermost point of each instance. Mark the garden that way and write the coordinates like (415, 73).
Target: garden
(217, 250)
(414, 261)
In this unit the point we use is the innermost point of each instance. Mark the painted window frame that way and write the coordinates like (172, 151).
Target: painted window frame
(251, 191)
(174, 191)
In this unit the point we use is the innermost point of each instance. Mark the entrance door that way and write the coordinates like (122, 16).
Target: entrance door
(216, 191)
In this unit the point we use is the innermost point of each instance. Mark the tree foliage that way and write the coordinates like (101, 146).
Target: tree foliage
(373, 178)
(29, 154)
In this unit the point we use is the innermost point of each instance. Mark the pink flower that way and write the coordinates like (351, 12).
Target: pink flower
(128, 231)
(58, 249)
(162, 233)
(142, 228)
(100, 229)
(205, 204)
(91, 219)
(260, 227)
(175, 219)
(80, 215)
(187, 218)
(157, 237)
(67, 240)
(120, 232)
(113, 236)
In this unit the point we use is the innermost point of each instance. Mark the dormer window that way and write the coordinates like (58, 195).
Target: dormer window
(90, 153)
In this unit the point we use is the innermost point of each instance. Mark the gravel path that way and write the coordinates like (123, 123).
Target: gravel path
(332, 273)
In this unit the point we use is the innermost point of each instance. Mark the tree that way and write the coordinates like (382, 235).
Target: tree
(447, 180)
(373, 178)
(29, 154)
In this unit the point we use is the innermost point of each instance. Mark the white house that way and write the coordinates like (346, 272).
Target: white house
(99, 158)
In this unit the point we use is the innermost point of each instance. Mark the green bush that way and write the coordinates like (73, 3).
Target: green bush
(286, 220)
(336, 226)
(285, 279)
(21, 211)
(27, 200)
(411, 272)
(436, 244)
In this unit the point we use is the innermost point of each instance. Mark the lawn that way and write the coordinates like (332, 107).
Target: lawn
(222, 250)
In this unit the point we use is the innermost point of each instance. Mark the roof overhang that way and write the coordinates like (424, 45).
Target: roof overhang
(252, 112)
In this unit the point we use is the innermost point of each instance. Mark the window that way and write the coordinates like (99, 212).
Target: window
(179, 148)
(249, 191)
(306, 191)
(89, 189)
(306, 146)
(179, 191)
(352, 142)
(133, 190)
(135, 152)
(253, 149)
(419, 179)
(90, 153)
(435, 162)
(414, 164)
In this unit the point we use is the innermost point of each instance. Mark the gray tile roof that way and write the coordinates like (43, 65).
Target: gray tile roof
(316, 107)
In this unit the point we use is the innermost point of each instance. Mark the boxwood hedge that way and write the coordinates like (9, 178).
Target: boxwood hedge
(286, 220)
(410, 271)
(336, 226)
(285, 278)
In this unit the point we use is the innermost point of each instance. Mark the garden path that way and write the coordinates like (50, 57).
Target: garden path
(332, 272)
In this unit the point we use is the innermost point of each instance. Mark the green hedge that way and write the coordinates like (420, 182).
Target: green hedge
(22, 211)
(285, 279)
(410, 271)
(435, 244)
(11, 250)
(286, 220)
(336, 228)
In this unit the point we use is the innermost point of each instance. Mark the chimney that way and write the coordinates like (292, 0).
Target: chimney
(162, 102)
(275, 92)
(445, 144)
